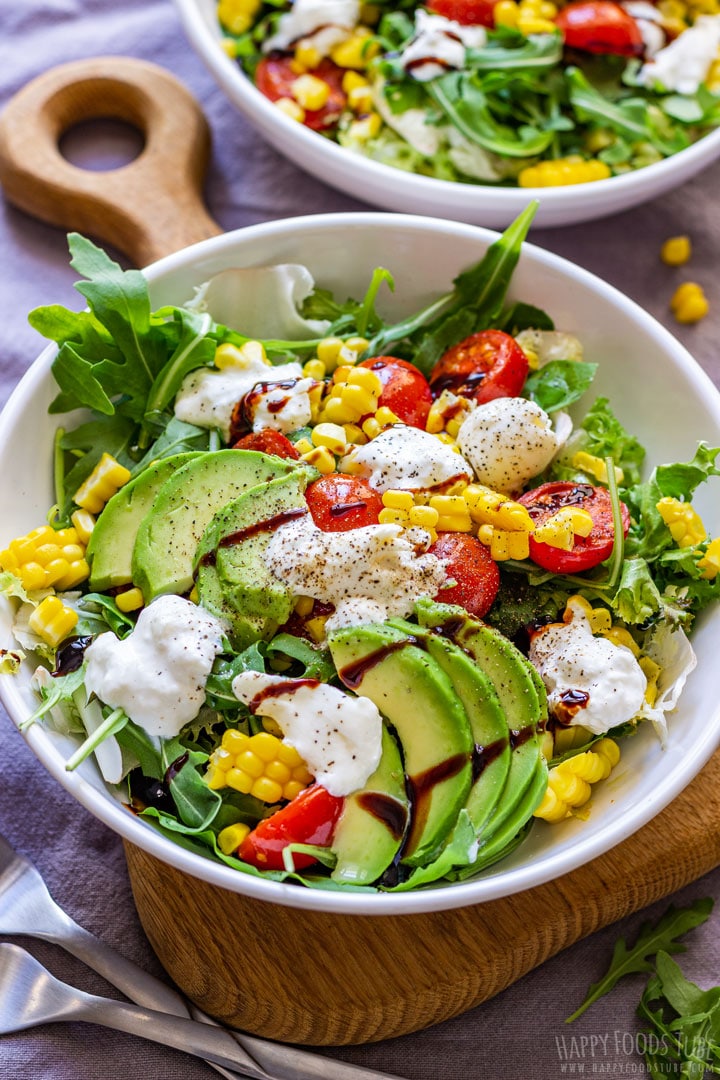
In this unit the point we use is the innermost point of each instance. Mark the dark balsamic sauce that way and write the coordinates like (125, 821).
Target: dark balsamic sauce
(353, 674)
(70, 655)
(174, 768)
(386, 809)
(146, 791)
(485, 755)
(287, 686)
(268, 525)
(340, 509)
(569, 705)
(421, 787)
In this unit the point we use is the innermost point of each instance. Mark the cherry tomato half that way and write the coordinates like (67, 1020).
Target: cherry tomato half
(339, 503)
(405, 389)
(600, 26)
(470, 564)
(486, 365)
(268, 441)
(274, 78)
(588, 551)
(310, 818)
(466, 12)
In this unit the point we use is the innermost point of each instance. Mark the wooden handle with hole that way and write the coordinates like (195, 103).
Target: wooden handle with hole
(147, 208)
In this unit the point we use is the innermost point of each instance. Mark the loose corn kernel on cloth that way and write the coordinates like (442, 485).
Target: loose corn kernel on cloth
(519, 1033)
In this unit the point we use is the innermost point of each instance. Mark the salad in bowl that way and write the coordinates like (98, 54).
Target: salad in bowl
(344, 600)
(529, 93)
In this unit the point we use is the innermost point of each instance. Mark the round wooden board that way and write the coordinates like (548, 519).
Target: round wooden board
(323, 979)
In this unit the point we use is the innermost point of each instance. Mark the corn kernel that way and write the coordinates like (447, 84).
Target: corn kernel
(314, 369)
(561, 528)
(689, 303)
(356, 51)
(503, 543)
(398, 500)
(618, 635)
(684, 523)
(328, 350)
(307, 57)
(310, 92)
(595, 467)
(231, 837)
(367, 127)
(130, 600)
(320, 458)
(102, 483)
(52, 620)
(391, 516)
(534, 24)
(290, 108)
(492, 508)
(676, 251)
(360, 99)
(505, 13)
(83, 523)
(237, 16)
(354, 435)
(330, 435)
(425, 517)
(710, 562)
(562, 171)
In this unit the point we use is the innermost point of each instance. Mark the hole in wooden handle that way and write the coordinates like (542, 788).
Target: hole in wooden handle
(147, 208)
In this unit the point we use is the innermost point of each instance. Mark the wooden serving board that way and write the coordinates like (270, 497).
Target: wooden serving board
(285, 973)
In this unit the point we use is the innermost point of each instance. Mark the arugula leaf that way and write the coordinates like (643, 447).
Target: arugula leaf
(59, 693)
(481, 290)
(317, 662)
(194, 349)
(177, 437)
(663, 937)
(464, 101)
(218, 688)
(559, 383)
(142, 748)
(196, 803)
(521, 316)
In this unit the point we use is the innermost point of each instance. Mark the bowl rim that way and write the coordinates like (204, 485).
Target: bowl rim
(251, 101)
(493, 885)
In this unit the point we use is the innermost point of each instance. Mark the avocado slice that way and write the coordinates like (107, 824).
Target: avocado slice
(491, 757)
(111, 543)
(497, 842)
(162, 560)
(233, 580)
(418, 699)
(373, 822)
(521, 693)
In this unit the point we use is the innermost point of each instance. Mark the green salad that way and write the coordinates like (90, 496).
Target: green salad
(345, 601)
(506, 92)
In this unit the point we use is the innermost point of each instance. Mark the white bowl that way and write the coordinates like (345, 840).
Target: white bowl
(658, 391)
(394, 189)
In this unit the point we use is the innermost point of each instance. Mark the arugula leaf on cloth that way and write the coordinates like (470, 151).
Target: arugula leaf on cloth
(662, 937)
(685, 1026)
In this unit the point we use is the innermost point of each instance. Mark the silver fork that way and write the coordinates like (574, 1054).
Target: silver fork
(31, 996)
(27, 908)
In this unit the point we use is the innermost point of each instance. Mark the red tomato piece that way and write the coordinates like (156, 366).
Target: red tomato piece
(600, 26)
(268, 441)
(310, 818)
(465, 12)
(338, 503)
(405, 389)
(274, 78)
(470, 564)
(588, 551)
(486, 365)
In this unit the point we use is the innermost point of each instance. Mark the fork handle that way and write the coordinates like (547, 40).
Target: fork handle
(136, 983)
(215, 1045)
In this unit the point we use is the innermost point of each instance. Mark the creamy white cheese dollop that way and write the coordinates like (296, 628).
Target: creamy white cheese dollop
(684, 64)
(306, 16)
(368, 574)
(508, 441)
(602, 681)
(207, 396)
(283, 408)
(439, 44)
(158, 673)
(338, 736)
(405, 457)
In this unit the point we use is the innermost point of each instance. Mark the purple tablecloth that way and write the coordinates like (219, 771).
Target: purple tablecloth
(519, 1033)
